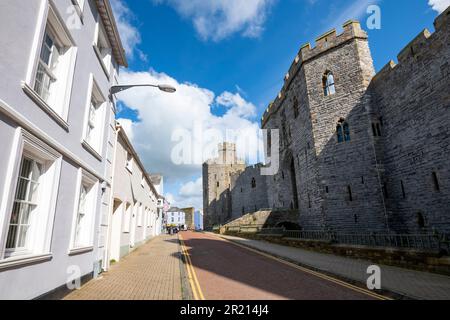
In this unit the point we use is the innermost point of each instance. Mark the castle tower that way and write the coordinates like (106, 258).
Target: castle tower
(217, 183)
(327, 152)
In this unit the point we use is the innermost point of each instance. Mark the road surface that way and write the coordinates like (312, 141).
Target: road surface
(221, 270)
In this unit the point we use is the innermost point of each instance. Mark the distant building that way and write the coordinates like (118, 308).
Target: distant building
(217, 176)
(189, 218)
(176, 218)
(135, 216)
(198, 220)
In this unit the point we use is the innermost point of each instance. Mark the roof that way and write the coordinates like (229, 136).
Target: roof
(109, 22)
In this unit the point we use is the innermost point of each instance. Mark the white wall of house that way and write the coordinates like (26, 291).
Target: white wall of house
(135, 213)
(176, 217)
(46, 144)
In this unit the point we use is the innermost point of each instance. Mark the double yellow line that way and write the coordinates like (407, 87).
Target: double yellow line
(192, 277)
(317, 274)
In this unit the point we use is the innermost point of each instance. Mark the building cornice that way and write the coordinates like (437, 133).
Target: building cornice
(109, 22)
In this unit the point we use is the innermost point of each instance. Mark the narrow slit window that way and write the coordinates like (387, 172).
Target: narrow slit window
(340, 134)
(403, 189)
(346, 132)
(350, 194)
(437, 186)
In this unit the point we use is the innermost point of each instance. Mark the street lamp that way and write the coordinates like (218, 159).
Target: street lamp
(163, 87)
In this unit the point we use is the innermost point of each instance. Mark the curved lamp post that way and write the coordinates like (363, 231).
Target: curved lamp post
(162, 87)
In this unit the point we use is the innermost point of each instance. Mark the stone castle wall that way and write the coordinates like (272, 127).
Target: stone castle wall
(248, 192)
(217, 175)
(393, 173)
(412, 98)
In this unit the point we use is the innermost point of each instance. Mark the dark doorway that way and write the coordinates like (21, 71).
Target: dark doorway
(294, 184)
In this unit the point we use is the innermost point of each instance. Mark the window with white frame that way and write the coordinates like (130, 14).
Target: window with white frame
(55, 65)
(103, 47)
(95, 115)
(85, 212)
(33, 203)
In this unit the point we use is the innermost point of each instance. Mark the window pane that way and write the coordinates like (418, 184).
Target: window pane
(25, 214)
(340, 135)
(21, 243)
(36, 171)
(33, 192)
(10, 242)
(331, 89)
(15, 213)
(43, 83)
(26, 168)
(22, 189)
(347, 132)
(46, 50)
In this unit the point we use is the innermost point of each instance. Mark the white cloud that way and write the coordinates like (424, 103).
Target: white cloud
(238, 106)
(189, 110)
(219, 19)
(129, 34)
(192, 189)
(439, 5)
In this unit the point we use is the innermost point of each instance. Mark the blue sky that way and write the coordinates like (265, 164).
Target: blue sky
(229, 58)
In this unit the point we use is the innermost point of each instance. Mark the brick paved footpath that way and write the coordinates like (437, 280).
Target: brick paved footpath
(151, 272)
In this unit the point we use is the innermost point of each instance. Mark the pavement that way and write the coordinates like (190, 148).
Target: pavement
(222, 270)
(205, 266)
(151, 272)
(403, 282)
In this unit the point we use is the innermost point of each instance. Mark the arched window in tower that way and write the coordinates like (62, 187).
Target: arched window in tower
(346, 131)
(296, 112)
(343, 131)
(253, 183)
(328, 84)
(340, 133)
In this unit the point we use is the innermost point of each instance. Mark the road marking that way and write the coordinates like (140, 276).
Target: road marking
(192, 276)
(317, 274)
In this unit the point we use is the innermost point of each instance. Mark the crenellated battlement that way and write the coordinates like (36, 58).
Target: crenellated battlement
(417, 47)
(325, 42)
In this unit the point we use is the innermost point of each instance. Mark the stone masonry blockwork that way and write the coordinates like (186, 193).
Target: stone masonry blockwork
(387, 171)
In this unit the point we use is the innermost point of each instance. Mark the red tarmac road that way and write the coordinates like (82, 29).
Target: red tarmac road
(226, 271)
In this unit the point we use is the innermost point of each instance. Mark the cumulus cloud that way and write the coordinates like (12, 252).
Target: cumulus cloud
(184, 121)
(219, 19)
(129, 34)
(439, 5)
(192, 189)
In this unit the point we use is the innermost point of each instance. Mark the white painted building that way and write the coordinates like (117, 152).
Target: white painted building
(176, 218)
(134, 216)
(58, 59)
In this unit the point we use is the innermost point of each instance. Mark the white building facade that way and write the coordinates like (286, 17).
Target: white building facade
(176, 218)
(58, 59)
(134, 217)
